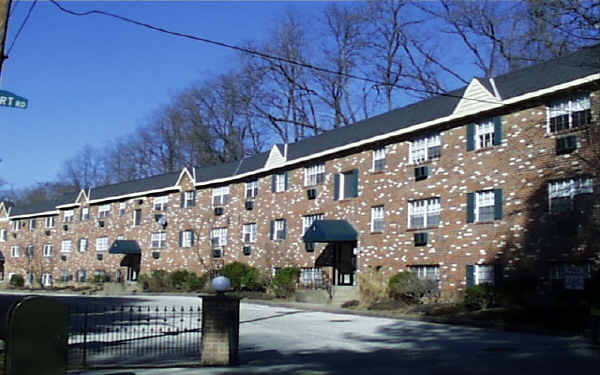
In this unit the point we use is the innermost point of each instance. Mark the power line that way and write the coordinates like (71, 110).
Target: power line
(22, 26)
(261, 54)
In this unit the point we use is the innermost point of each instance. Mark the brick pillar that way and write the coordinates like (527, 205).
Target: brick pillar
(220, 330)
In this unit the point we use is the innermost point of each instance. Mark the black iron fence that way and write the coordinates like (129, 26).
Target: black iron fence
(101, 336)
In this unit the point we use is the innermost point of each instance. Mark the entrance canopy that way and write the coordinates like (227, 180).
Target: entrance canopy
(125, 247)
(330, 231)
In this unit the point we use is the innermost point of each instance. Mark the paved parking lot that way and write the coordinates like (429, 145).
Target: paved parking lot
(277, 340)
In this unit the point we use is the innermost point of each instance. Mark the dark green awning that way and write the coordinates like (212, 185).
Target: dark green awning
(125, 247)
(330, 231)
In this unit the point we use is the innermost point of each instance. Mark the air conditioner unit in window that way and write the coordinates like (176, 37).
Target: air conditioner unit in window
(311, 193)
(156, 254)
(99, 256)
(47, 232)
(63, 258)
(219, 211)
(249, 205)
(309, 246)
(65, 227)
(420, 239)
(566, 145)
(247, 250)
(421, 173)
(101, 223)
(140, 201)
(217, 253)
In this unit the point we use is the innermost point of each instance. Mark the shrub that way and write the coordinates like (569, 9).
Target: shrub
(177, 279)
(406, 286)
(99, 279)
(480, 296)
(17, 281)
(180, 280)
(157, 281)
(283, 284)
(371, 287)
(195, 283)
(242, 276)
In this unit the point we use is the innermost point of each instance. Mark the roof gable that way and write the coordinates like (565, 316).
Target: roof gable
(276, 158)
(82, 197)
(477, 97)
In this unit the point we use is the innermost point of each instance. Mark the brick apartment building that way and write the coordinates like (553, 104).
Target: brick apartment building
(490, 181)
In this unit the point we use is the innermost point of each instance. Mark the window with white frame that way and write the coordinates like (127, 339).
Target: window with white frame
(308, 220)
(311, 277)
(46, 279)
(377, 219)
(48, 250)
(65, 275)
(83, 244)
(66, 246)
(187, 238)
(485, 206)
(379, 159)
(426, 272)
(346, 185)
(122, 208)
(3, 235)
(249, 233)
(189, 199)
(424, 213)
(278, 231)
(484, 274)
(251, 189)
(218, 237)
(29, 251)
(160, 203)
(32, 224)
(81, 276)
(84, 214)
(315, 174)
(158, 240)
(220, 195)
(101, 243)
(279, 182)
(569, 113)
(15, 252)
(425, 148)
(68, 216)
(137, 217)
(49, 222)
(15, 225)
(104, 211)
(484, 135)
(120, 237)
(563, 195)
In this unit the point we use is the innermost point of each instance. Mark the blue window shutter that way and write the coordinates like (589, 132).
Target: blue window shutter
(273, 182)
(355, 183)
(470, 207)
(336, 187)
(470, 137)
(181, 199)
(180, 238)
(272, 230)
(193, 235)
(193, 199)
(498, 204)
(285, 180)
(497, 131)
(284, 229)
(470, 275)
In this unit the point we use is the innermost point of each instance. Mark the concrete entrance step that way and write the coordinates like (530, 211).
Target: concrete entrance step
(343, 294)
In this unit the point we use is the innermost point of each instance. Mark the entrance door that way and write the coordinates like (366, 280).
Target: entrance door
(345, 263)
(1, 270)
(132, 262)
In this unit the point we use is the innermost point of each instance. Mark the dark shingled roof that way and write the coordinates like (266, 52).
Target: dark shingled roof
(136, 186)
(67, 198)
(33, 208)
(213, 172)
(253, 163)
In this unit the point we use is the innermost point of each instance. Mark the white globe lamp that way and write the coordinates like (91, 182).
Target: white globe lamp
(220, 284)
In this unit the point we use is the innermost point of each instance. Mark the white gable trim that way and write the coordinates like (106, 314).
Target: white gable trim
(184, 171)
(85, 198)
(476, 97)
(275, 158)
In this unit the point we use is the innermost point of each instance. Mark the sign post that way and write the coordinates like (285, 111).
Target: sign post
(8, 99)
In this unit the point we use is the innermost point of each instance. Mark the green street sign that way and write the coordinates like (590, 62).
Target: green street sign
(8, 99)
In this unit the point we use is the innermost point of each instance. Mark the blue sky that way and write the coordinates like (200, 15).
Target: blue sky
(92, 79)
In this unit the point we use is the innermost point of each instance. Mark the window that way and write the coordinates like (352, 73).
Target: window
(15, 224)
(30, 251)
(379, 159)
(81, 276)
(425, 148)
(137, 217)
(49, 222)
(308, 220)
(377, 219)
(484, 134)
(48, 250)
(311, 277)
(122, 208)
(68, 216)
(15, 251)
(161, 203)
(569, 113)
(346, 185)
(158, 240)
(83, 244)
(480, 274)
(251, 189)
(279, 182)
(84, 214)
(426, 272)
(484, 206)
(218, 237)
(188, 199)
(315, 174)
(569, 194)
(102, 244)
(46, 279)
(186, 238)
(65, 276)
(249, 233)
(571, 275)
(104, 211)
(424, 213)
(220, 196)
(278, 229)
(100, 275)
(32, 224)
(66, 246)
(120, 237)
(3, 235)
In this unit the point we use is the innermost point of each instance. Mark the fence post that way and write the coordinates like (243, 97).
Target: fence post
(85, 330)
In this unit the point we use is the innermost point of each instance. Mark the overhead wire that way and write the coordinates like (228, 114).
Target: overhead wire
(21, 27)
